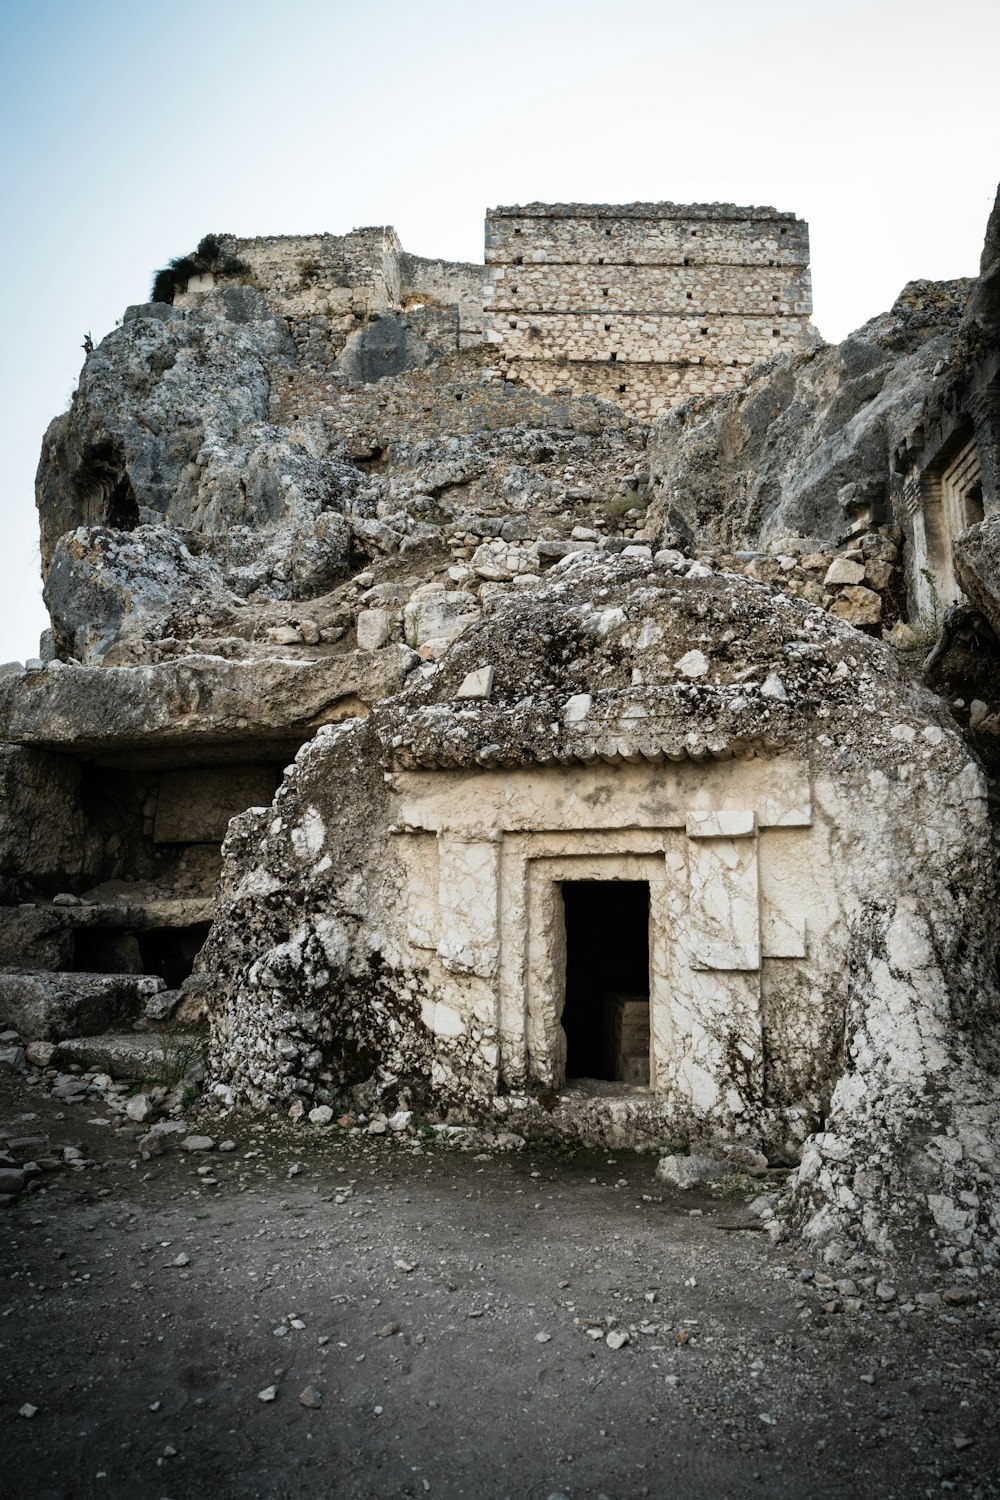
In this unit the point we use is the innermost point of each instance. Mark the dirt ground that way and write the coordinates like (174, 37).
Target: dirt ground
(449, 1310)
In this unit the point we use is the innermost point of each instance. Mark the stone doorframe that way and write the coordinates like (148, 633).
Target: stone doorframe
(483, 861)
(545, 967)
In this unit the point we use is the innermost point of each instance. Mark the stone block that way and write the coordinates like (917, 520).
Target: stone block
(376, 628)
(51, 1007)
(857, 606)
(477, 684)
(843, 571)
(440, 615)
(133, 1056)
(724, 824)
(691, 1171)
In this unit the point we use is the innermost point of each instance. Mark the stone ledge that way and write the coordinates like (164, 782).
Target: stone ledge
(200, 703)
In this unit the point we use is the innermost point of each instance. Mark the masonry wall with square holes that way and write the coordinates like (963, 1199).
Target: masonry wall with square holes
(644, 304)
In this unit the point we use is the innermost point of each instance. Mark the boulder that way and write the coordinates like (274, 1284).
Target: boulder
(56, 1006)
(977, 567)
(692, 1171)
(438, 615)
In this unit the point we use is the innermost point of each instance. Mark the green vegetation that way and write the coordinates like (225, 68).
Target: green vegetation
(927, 626)
(209, 256)
(309, 271)
(179, 1052)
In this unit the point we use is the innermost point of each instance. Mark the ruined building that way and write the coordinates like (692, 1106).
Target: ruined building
(645, 304)
(423, 726)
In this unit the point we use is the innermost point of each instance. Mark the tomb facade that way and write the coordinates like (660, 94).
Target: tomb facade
(398, 929)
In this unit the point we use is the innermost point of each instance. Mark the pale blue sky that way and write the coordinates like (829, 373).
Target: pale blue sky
(130, 130)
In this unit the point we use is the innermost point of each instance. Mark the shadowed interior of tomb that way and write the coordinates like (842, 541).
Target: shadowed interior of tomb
(606, 1014)
(169, 952)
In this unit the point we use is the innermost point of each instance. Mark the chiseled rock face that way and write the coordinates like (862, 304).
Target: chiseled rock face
(821, 887)
(810, 434)
(43, 832)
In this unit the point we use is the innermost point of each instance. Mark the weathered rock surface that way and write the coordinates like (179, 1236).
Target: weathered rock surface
(691, 1171)
(811, 438)
(977, 567)
(196, 701)
(58, 845)
(52, 1007)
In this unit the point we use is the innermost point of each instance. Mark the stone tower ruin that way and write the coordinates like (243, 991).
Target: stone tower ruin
(644, 304)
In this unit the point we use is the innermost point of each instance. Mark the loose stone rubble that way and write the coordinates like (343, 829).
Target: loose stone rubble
(413, 744)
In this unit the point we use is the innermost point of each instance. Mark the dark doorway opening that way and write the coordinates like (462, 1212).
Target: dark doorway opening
(167, 951)
(171, 951)
(606, 1014)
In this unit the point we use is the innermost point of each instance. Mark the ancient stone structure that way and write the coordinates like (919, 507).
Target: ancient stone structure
(355, 305)
(430, 740)
(644, 304)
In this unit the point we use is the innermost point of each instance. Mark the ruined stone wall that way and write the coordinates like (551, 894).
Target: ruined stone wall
(644, 304)
(449, 284)
(356, 271)
(326, 287)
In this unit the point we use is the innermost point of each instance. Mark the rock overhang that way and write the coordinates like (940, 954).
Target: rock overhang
(205, 707)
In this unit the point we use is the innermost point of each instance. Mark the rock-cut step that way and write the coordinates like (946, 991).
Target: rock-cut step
(163, 1057)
